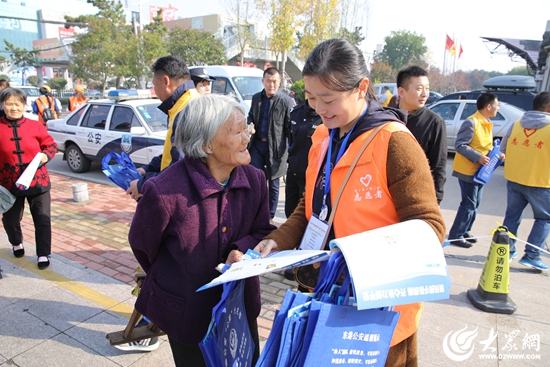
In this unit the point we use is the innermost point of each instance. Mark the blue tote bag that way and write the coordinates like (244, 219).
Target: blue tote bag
(326, 330)
(228, 341)
(121, 173)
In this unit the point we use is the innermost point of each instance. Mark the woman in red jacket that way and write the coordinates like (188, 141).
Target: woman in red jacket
(20, 140)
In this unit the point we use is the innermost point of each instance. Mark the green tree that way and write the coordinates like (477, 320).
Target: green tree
(152, 44)
(519, 70)
(23, 57)
(57, 83)
(299, 88)
(354, 37)
(403, 48)
(283, 22)
(196, 47)
(32, 80)
(321, 19)
(241, 13)
(106, 49)
(382, 73)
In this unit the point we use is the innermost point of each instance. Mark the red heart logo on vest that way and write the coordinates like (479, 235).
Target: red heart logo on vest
(529, 132)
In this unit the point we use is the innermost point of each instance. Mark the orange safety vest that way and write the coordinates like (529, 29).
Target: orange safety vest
(74, 102)
(41, 105)
(366, 202)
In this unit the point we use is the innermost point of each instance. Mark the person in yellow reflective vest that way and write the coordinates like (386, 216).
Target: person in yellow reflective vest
(473, 142)
(527, 148)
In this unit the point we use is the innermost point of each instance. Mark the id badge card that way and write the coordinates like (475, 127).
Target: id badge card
(315, 235)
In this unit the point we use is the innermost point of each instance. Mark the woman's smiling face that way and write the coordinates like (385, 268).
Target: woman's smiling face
(337, 109)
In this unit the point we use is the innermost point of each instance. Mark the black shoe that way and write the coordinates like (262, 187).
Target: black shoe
(18, 253)
(471, 240)
(289, 274)
(44, 264)
(461, 243)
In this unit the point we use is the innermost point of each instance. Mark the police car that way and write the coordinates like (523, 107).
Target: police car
(128, 121)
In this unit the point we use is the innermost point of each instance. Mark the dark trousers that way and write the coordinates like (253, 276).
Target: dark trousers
(191, 356)
(259, 154)
(39, 206)
(294, 190)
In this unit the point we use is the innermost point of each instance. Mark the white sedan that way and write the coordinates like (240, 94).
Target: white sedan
(456, 111)
(127, 122)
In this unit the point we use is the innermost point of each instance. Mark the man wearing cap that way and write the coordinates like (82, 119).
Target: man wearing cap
(46, 101)
(270, 114)
(202, 80)
(174, 87)
(77, 99)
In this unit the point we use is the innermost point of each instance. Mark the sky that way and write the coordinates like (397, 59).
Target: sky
(465, 21)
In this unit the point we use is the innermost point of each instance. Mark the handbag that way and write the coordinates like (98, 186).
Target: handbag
(121, 173)
(228, 341)
(7, 199)
(322, 329)
(306, 276)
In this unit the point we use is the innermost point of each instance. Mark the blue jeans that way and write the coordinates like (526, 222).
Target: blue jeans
(539, 199)
(467, 210)
(259, 155)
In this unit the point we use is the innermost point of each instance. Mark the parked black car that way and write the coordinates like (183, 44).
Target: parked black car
(521, 99)
(513, 89)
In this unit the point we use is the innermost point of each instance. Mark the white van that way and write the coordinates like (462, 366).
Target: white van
(240, 82)
(378, 89)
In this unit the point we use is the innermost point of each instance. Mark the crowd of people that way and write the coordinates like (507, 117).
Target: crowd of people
(213, 193)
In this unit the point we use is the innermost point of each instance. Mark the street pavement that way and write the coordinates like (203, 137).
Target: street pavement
(60, 316)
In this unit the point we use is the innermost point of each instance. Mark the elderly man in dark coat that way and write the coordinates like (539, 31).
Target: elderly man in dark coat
(270, 114)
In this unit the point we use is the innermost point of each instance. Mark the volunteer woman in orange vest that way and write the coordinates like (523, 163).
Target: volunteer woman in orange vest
(46, 100)
(391, 182)
(77, 99)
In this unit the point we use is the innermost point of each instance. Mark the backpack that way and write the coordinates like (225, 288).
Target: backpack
(47, 113)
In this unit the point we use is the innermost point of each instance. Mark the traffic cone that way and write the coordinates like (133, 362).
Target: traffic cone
(491, 294)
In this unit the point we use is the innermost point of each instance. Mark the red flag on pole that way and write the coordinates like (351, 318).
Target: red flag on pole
(460, 52)
(449, 43)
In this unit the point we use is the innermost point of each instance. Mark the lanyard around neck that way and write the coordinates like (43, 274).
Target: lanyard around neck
(341, 151)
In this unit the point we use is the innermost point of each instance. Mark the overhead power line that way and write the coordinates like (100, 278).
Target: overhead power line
(72, 24)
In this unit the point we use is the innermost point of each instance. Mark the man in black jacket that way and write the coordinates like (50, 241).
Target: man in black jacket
(270, 114)
(304, 120)
(426, 126)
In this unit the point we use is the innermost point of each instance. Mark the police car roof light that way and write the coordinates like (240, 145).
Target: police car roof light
(128, 94)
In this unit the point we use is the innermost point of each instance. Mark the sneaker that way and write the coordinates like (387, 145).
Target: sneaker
(535, 264)
(513, 255)
(144, 345)
(461, 243)
(470, 238)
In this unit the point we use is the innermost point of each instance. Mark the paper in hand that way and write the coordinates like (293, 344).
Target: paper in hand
(24, 181)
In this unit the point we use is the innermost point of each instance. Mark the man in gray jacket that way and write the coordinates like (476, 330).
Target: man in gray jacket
(270, 114)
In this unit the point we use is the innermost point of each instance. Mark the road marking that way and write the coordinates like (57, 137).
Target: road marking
(78, 288)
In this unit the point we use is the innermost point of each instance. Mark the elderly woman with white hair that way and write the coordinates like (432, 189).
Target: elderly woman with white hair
(207, 208)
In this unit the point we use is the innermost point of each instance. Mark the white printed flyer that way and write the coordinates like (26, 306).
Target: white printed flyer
(394, 265)
(273, 262)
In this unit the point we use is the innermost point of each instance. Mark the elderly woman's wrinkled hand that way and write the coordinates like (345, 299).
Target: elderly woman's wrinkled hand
(133, 190)
(235, 256)
(266, 247)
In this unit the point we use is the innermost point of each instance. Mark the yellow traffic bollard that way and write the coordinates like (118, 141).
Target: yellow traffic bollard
(492, 290)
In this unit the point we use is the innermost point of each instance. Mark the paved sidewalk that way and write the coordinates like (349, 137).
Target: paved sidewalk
(59, 316)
